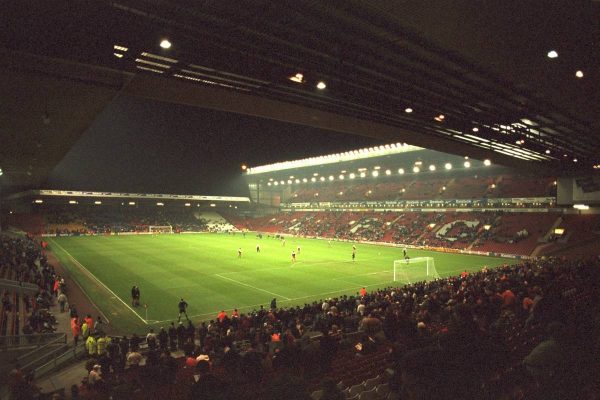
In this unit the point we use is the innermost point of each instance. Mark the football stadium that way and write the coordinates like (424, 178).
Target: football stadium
(299, 200)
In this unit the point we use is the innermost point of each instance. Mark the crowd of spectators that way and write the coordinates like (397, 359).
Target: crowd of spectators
(81, 219)
(458, 337)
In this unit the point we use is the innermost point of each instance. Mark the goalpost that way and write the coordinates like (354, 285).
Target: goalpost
(160, 229)
(415, 269)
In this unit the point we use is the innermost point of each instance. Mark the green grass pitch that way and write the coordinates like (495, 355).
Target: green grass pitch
(205, 270)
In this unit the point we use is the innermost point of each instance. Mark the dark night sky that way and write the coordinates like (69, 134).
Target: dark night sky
(138, 145)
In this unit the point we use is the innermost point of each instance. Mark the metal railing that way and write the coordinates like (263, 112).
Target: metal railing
(61, 356)
(33, 340)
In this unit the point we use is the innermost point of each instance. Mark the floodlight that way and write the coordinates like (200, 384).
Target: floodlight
(552, 54)
(467, 164)
(487, 162)
(388, 172)
(160, 204)
(276, 183)
(313, 179)
(299, 78)
(408, 110)
(304, 180)
(97, 202)
(352, 175)
(416, 169)
(475, 129)
(331, 178)
(165, 44)
(120, 48)
(448, 166)
(132, 203)
(574, 160)
(362, 174)
(432, 167)
(282, 182)
(547, 151)
(244, 167)
(188, 204)
(579, 74)
(118, 55)
(72, 202)
(341, 177)
(38, 201)
(322, 179)
(321, 85)
(375, 174)
(213, 205)
(401, 171)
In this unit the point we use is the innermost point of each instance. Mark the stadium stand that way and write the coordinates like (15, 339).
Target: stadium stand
(492, 332)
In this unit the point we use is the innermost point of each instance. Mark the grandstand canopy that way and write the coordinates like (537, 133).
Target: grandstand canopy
(476, 79)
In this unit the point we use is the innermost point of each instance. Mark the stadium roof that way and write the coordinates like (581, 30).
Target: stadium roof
(456, 76)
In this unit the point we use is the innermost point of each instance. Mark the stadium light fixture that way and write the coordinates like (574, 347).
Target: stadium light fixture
(579, 74)
(475, 129)
(165, 44)
(401, 171)
(467, 164)
(304, 180)
(552, 54)
(547, 151)
(352, 175)
(322, 179)
(282, 182)
(321, 85)
(244, 167)
(289, 181)
(97, 202)
(432, 167)
(388, 172)
(408, 110)
(213, 205)
(160, 204)
(275, 183)
(341, 177)
(132, 203)
(487, 162)
(375, 174)
(313, 179)
(298, 78)
(120, 48)
(118, 55)
(574, 160)
(416, 169)
(331, 178)
(38, 201)
(188, 204)
(362, 174)
(448, 166)
(72, 201)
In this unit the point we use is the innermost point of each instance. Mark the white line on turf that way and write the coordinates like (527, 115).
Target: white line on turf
(80, 265)
(214, 313)
(253, 287)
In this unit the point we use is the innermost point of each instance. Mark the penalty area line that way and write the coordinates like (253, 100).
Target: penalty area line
(252, 287)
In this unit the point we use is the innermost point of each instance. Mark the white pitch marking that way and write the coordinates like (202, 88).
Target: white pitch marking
(253, 287)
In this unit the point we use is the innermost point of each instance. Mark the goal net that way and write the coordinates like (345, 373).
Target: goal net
(415, 270)
(160, 229)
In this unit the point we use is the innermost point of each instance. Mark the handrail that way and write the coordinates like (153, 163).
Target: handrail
(60, 337)
(34, 339)
(26, 287)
